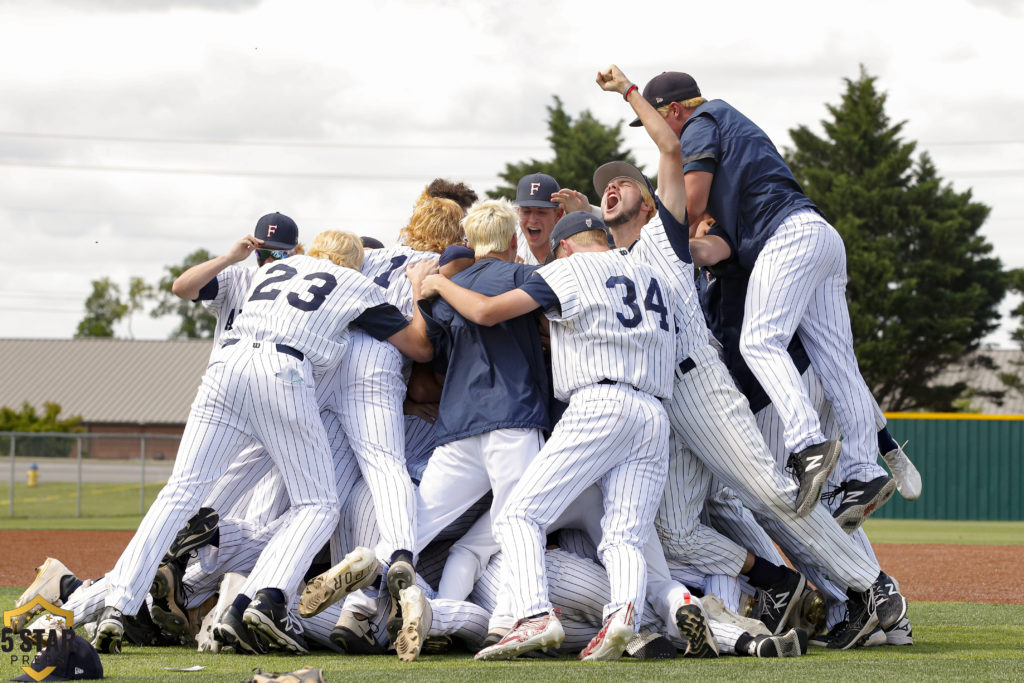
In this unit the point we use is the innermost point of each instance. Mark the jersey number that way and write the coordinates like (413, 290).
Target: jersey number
(317, 293)
(653, 301)
(384, 279)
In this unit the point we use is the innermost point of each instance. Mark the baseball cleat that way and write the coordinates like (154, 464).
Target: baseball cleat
(109, 631)
(717, 611)
(536, 633)
(792, 643)
(269, 618)
(416, 618)
(611, 641)
(908, 479)
(354, 634)
(198, 532)
(168, 592)
(650, 645)
(47, 585)
(900, 634)
(780, 599)
(860, 499)
(860, 621)
(400, 576)
(232, 633)
(886, 601)
(356, 570)
(693, 627)
(811, 466)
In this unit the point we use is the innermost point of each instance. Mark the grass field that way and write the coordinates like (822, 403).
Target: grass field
(953, 641)
(53, 505)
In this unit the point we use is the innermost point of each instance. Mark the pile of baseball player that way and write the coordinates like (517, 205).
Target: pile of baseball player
(531, 429)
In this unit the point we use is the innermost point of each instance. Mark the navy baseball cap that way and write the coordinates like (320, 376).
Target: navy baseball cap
(571, 224)
(371, 242)
(668, 86)
(72, 657)
(619, 169)
(455, 251)
(536, 190)
(277, 231)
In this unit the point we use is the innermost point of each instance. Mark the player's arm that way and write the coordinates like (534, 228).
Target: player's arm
(671, 189)
(709, 250)
(188, 284)
(698, 189)
(480, 309)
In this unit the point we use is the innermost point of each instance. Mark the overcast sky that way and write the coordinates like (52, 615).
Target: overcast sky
(134, 132)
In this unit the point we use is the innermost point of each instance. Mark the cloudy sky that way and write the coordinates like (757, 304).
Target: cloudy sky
(133, 132)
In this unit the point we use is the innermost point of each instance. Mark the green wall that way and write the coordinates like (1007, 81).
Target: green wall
(970, 466)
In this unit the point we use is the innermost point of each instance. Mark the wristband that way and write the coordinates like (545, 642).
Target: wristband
(631, 88)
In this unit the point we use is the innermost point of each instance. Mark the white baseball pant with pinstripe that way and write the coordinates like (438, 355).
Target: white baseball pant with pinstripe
(798, 282)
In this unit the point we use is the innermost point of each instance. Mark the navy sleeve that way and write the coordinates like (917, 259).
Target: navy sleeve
(542, 293)
(678, 234)
(209, 291)
(436, 314)
(700, 144)
(381, 321)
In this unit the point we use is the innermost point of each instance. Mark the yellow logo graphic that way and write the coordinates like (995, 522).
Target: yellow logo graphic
(21, 615)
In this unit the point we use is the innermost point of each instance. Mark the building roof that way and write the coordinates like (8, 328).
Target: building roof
(104, 380)
(982, 379)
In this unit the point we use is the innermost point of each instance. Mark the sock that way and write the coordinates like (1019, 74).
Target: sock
(69, 583)
(401, 555)
(241, 602)
(885, 441)
(764, 574)
(745, 644)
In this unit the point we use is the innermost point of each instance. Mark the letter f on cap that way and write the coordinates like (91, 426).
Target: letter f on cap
(533, 188)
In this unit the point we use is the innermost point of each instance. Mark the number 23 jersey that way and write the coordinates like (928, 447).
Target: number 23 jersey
(307, 303)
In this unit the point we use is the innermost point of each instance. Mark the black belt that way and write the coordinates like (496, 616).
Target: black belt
(281, 348)
(611, 381)
(687, 365)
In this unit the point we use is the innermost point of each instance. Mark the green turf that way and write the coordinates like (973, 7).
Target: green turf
(953, 641)
(54, 505)
(944, 532)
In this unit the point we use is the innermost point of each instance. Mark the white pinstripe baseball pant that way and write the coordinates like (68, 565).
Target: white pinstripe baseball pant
(799, 282)
(247, 392)
(612, 435)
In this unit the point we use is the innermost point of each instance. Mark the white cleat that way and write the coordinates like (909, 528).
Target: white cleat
(908, 479)
(609, 644)
(46, 585)
(356, 570)
(538, 633)
(416, 618)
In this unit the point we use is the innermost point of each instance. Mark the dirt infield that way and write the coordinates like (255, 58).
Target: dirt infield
(929, 573)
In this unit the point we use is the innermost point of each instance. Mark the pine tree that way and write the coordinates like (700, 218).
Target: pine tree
(580, 146)
(924, 288)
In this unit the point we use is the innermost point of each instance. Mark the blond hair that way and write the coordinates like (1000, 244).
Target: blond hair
(435, 224)
(344, 249)
(490, 226)
(586, 238)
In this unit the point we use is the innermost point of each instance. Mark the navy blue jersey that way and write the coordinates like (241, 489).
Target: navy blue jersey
(753, 189)
(722, 293)
(495, 377)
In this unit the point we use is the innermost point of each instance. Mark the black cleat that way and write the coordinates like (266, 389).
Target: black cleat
(169, 593)
(887, 602)
(694, 629)
(811, 466)
(860, 499)
(270, 618)
(780, 599)
(792, 643)
(860, 622)
(232, 633)
(109, 631)
(197, 532)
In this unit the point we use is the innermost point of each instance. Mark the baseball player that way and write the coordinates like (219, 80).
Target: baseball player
(288, 332)
(724, 434)
(613, 360)
(541, 203)
(738, 182)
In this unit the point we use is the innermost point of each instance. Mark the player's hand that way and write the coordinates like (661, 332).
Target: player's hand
(571, 200)
(706, 221)
(420, 270)
(241, 249)
(429, 287)
(613, 80)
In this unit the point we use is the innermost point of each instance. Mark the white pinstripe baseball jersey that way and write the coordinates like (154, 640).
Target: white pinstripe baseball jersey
(232, 288)
(617, 322)
(386, 268)
(305, 303)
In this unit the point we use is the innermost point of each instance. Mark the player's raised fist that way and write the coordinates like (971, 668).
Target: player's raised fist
(613, 80)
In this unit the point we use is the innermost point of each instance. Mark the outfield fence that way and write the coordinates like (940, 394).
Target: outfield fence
(50, 474)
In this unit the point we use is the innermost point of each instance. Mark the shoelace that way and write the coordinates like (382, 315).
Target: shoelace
(834, 493)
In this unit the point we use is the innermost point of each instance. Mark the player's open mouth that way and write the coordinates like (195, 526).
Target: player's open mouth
(611, 202)
(533, 233)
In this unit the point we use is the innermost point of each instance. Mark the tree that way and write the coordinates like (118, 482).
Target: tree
(924, 288)
(196, 321)
(26, 420)
(580, 146)
(104, 309)
(1014, 380)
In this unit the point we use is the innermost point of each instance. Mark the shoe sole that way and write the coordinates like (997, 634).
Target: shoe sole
(165, 611)
(614, 644)
(226, 636)
(400, 576)
(196, 539)
(415, 624)
(46, 585)
(791, 644)
(650, 646)
(261, 623)
(356, 570)
(549, 639)
(852, 517)
(869, 626)
(108, 637)
(806, 500)
(701, 643)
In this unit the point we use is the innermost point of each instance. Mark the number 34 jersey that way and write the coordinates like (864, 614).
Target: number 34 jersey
(306, 303)
(615, 320)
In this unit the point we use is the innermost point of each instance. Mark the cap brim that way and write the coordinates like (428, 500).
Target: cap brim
(636, 123)
(539, 203)
(51, 677)
(268, 244)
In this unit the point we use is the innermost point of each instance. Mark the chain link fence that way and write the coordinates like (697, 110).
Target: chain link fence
(53, 474)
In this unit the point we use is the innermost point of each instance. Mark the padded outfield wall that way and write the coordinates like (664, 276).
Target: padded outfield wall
(972, 466)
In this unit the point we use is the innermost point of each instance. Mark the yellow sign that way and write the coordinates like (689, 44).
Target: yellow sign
(30, 637)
